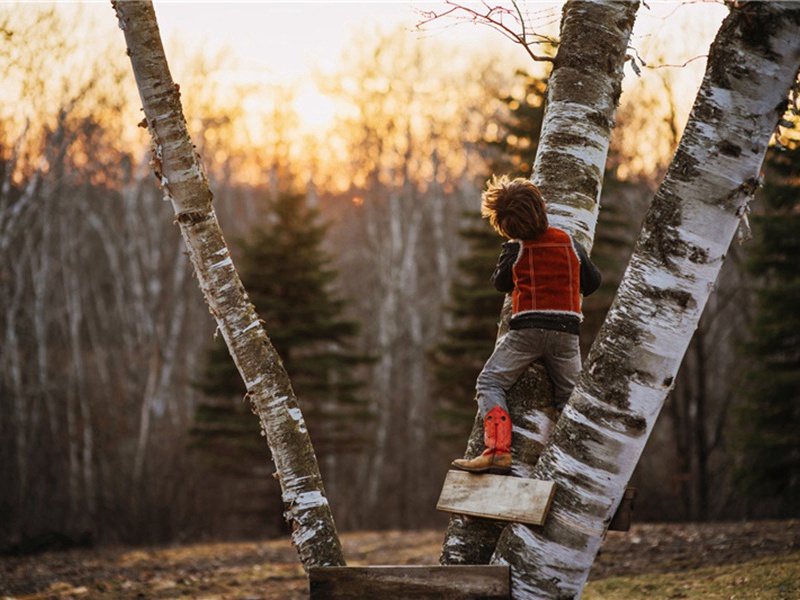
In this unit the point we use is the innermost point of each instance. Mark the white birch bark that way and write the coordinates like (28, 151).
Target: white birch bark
(632, 366)
(582, 97)
(269, 389)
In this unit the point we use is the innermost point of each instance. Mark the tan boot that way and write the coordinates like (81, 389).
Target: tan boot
(497, 438)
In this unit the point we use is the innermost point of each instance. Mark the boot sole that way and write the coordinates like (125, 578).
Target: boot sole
(489, 470)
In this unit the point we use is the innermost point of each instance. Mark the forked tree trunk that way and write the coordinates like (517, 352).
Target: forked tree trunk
(598, 441)
(268, 387)
(582, 97)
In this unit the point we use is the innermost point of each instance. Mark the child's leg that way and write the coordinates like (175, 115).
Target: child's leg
(563, 361)
(512, 355)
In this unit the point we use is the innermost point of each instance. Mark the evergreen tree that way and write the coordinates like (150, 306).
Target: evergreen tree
(289, 278)
(769, 422)
(466, 345)
(513, 150)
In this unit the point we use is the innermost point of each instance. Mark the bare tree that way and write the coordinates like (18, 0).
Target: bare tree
(180, 172)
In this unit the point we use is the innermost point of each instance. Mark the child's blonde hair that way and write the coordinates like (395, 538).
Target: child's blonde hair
(515, 208)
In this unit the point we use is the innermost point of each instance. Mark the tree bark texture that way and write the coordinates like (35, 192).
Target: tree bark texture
(178, 167)
(632, 366)
(582, 97)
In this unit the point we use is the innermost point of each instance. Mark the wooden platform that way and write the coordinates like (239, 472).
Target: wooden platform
(622, 518)
(470, 582)
(496, 497)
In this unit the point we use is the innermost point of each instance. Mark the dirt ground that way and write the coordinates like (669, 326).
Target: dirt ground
(270, 569)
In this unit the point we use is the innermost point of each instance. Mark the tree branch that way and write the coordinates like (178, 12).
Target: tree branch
(493, 18)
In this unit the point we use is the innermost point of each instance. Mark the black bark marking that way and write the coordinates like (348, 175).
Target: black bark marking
(733, 200)
(609, 362)
(513, 549)
(676, 297)
(560, 140)
(567, 176)
(193, 217)
(597, 118)
(573, 439)
(661, 238)
(705, 111)
(780, 108)
(565, 534)
(697, 254)
(630, 424)
(730, 149)
(684, 166)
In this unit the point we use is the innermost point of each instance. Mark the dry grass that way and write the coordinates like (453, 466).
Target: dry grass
(775, 578)
(732, 561)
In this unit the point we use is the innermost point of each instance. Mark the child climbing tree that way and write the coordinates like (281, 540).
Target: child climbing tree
(582, 95)
(555, 562)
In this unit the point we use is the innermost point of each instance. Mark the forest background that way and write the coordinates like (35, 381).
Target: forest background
(349, 196)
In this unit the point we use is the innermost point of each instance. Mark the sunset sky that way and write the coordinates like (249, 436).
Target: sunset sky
(272, 46)
(281, 42)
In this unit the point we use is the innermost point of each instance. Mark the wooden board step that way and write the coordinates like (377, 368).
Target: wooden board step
(461, 582)
(621, 520)
(496, 497)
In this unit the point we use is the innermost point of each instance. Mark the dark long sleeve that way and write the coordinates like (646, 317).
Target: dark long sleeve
(503, 276)
(590, 275)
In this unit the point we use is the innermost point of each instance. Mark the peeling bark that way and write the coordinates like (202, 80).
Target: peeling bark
(632, 365)
(180, 172)
(582, 97)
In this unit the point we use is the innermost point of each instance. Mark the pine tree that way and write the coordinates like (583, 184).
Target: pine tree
(289, 278)
(474, 310)
(513, 150)
(770, 420)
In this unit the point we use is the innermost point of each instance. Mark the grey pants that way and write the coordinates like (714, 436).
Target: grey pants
(518, 349)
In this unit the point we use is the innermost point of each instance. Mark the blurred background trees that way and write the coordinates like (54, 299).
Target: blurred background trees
(105, 338)
(768, 421)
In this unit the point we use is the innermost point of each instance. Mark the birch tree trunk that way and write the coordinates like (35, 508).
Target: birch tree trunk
(270, 392)
(582, 97)
(752, 65)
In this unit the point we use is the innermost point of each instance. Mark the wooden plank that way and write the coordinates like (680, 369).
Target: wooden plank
(621, 521)
(496, 497)
(462, 582)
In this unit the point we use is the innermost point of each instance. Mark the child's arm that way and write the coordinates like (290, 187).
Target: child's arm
(503, 276)
(590, 275)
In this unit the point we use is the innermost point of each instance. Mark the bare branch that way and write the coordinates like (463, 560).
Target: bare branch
(691, 60)
(634, 56)
(493, 17)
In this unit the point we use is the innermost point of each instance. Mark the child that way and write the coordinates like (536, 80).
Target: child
(546, 271)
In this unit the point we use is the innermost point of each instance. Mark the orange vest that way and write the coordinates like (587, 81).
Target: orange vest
(547, 275)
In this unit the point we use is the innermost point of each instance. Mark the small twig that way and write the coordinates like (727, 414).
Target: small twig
(691, 60)
(521, 20)
(644, 64)
(490, 19)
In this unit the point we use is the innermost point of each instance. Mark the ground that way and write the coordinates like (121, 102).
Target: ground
(689, 555)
